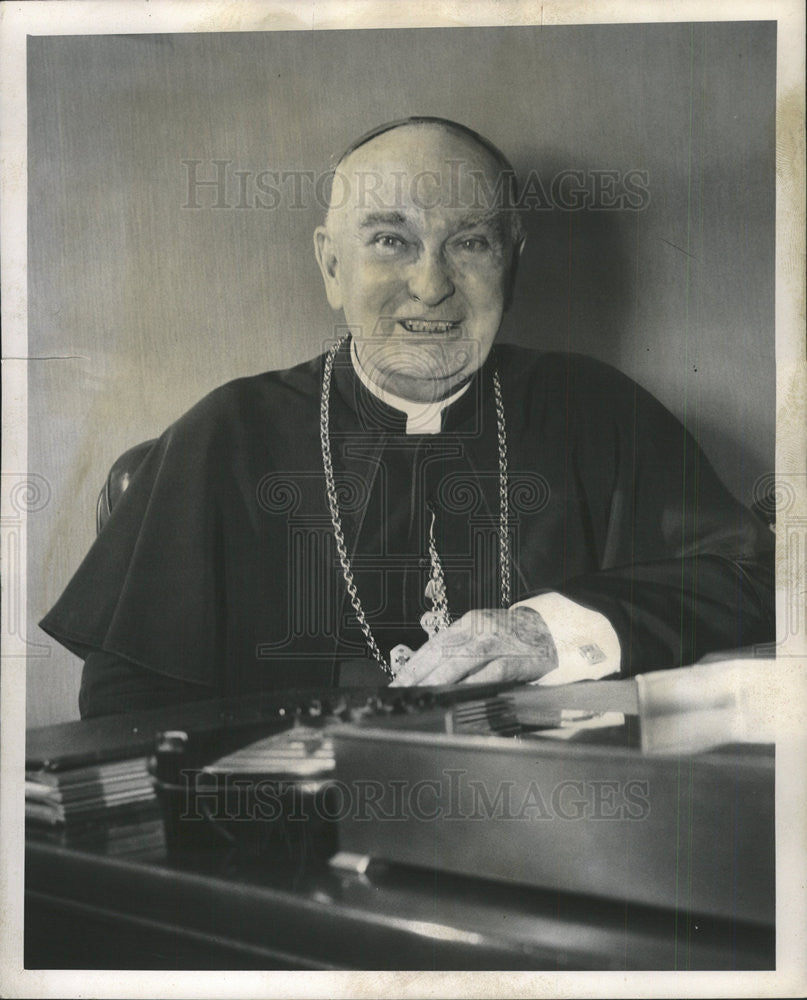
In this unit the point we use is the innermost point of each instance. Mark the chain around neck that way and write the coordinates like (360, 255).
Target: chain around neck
(336, 517)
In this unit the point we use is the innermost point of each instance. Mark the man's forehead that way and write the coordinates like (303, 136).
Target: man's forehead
(416, 147)
(408, 216)
(417, 168)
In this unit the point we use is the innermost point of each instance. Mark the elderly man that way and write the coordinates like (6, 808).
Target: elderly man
(439, 508)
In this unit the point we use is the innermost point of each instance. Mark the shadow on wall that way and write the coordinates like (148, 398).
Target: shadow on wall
(572, 291)
(584, 286)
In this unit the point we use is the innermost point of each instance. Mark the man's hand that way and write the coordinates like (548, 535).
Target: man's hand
(511, 644)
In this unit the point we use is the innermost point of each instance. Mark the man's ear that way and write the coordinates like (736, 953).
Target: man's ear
(518, 249)
(325, 252)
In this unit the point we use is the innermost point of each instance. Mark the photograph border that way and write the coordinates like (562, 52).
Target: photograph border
(60, 17)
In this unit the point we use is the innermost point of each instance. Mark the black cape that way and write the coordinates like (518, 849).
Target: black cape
(218, 567)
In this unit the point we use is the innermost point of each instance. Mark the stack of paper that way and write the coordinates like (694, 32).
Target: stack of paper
(299, 752)
(84, 793)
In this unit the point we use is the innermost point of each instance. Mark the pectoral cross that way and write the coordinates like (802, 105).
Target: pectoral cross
(437, 617)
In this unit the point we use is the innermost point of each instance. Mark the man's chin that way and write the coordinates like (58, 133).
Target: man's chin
(420, 368)
(421, 387)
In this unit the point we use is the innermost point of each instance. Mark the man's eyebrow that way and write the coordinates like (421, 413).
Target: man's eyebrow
(383, 219)
(493, 217)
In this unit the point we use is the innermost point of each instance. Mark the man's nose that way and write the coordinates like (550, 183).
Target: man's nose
(429, 279)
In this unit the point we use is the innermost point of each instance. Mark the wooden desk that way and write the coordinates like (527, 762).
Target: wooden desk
(94, 906)
(85, 909)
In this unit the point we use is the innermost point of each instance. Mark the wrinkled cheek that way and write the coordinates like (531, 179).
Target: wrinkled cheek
(379, 303)
(485, 291)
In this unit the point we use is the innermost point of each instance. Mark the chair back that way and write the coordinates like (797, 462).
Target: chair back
(117, 482)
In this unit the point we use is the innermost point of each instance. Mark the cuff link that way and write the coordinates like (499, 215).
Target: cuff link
(591, 653)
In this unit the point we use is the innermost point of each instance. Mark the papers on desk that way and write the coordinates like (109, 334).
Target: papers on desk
(685, 710)
(134, 831)
(574, 721)
(692, 709)
(296, 753)
(85, 793)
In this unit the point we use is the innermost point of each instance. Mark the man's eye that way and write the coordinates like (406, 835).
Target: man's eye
(473, 243)
(388, 242)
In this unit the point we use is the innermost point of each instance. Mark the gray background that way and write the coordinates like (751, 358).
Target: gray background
(139, 306)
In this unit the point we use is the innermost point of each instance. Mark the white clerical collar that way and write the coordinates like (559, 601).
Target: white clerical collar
(421, 418)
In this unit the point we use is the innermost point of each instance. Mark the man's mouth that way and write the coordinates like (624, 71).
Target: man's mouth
(428, 325)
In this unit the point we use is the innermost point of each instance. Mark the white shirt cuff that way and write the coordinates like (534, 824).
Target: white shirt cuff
(588, 647)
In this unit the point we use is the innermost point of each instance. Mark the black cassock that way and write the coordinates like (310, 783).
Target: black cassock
(217, 570)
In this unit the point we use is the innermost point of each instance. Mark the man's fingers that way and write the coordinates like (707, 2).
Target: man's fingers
(444, 659)
(515, 667)
(414, 671)
(432, 664)
(431, 654)
(470, 645)
(493, 672)
(455, 666)
(426, 659)
(447, 663)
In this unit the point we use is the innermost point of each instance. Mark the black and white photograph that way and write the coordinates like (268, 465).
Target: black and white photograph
(403, 500)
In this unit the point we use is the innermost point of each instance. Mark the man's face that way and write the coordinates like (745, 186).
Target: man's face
(420, 265)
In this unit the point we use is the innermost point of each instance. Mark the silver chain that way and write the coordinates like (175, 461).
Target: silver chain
(336, 517)
(504, 498)
(436, 587)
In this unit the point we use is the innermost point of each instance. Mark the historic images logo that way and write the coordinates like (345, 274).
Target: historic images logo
(453, 795)
(221, 184)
